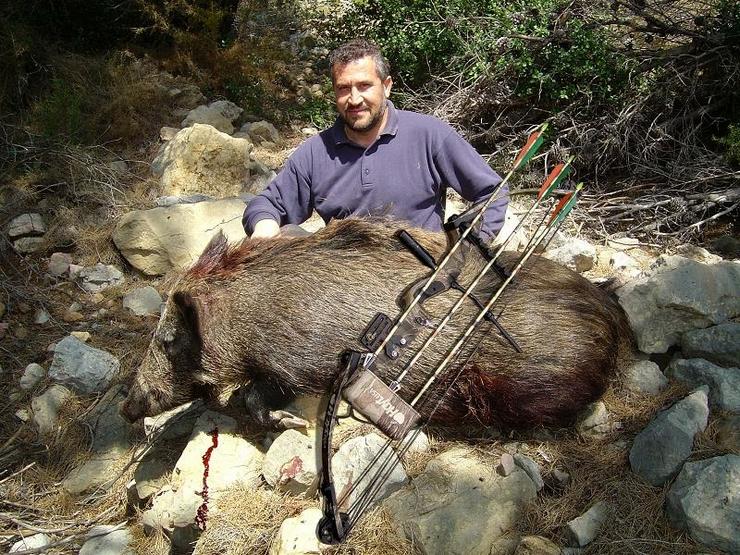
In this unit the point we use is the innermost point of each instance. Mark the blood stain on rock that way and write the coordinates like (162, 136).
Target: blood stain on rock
(201, 516)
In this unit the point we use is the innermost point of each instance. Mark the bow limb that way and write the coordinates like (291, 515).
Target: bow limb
(332, 527)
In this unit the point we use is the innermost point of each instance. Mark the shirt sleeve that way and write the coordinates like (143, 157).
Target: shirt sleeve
(287, 199)
(463, 169)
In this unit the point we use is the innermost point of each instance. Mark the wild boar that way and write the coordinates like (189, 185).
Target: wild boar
(275, 315)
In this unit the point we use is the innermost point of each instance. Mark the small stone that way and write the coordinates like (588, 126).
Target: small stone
(561, 476)
(75, 307)
(26, 224)
(20, 332)
(168, 133)
(697, 253)
(29, 245)
(74, 271)
(98, 298)
(23, 415)
(536, 545)
(583, 530)
(83, 336)
(309, 131)
(594, 421)
(645, 377)
(506, 465)
(622, 261)
(143, 301)
(531, 468)
(71, 316)
(106, 540)
(297, 536)
(59, 264)
(46, 407)
(41, 316)
(101, 276)
(118, 166)
(37, 541)
(32, 375)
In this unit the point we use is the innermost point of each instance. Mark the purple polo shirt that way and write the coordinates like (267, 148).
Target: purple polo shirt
(403, 174)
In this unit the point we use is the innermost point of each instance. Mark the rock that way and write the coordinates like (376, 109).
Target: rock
(644, 376)
(697, 253)
(261, 131)
(29, 245)
(83, 336)
(594, 421)
(435, 512)
(201, 159)
(718, 344)
(704, 500)
(536, 545)
(109, 430)
(214, 437)
(309, 131)
(621, 261)
(20, 331)
(531, 468)
(32, 375)
(561, 476)
(219, 114)
(161, 239)
(118, 166)
(36, 541)
(506, 465)
(174, 423)
(46, 407)
(297, 536)
(107, 540)
(41, 316)
(662, 447)
(583, 530)
(728, 433)
(151, 474)
(23, 415)
(678, 295)
(724, 383)
(99, 277)
(290, 463)
(81, 367)
(31, 224)
(188, 199)
(72, 316)
(576, 254)
(353, 457)
(74, 271)
(100, 471)
(59, 264)
(168, 133)
(143, 301)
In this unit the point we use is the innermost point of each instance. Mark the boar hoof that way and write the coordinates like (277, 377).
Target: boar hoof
(283, 420)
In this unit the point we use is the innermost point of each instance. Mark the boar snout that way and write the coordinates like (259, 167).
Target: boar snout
(134, 407)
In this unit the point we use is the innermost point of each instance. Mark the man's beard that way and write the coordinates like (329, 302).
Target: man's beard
(374, 120)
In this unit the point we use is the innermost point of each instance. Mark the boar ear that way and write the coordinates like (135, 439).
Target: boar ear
(192, 310)
(216, 246)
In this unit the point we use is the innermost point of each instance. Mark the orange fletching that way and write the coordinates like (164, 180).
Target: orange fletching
(550, 178)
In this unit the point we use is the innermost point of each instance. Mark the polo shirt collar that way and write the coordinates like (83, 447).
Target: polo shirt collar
(391, 126)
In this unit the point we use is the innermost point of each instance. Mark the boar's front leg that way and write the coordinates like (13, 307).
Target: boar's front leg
(264, 402)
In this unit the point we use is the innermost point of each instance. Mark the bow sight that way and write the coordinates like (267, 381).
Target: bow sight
(385, 340)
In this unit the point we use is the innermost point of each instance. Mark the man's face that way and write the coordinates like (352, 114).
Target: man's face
(360, 94)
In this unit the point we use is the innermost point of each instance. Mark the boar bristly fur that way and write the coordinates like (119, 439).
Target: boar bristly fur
(277, 314)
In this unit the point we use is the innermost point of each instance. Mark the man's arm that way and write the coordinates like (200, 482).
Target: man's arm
(286, 200)
(463, 169)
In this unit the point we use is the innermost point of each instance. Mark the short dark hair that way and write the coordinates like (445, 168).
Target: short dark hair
(355, 50)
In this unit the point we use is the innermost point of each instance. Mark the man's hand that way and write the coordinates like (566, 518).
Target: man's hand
(265, 229)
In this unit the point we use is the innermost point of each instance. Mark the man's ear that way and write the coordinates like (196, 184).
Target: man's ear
(387, 84)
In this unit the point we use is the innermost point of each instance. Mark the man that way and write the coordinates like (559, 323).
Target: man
(375, 160)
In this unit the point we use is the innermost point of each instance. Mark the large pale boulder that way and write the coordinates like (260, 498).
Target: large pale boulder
(157, 240)
(459, 505)
(705, 500)
(678, 295)
(201, 159)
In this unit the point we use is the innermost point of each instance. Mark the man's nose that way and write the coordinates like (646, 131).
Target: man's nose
(354, 96)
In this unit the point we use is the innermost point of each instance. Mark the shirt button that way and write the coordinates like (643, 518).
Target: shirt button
(367, 171)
